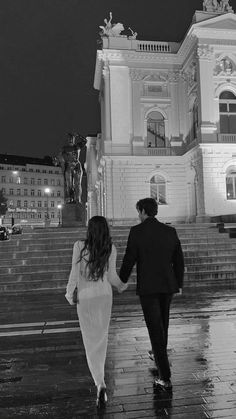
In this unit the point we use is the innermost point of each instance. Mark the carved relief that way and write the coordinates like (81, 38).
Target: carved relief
(224, 67)
(138, 74)
(174, 76)
(205, 51)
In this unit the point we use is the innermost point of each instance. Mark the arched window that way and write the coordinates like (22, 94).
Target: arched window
(227, 113)
(158, 189)
(155, 130)
(231, 184)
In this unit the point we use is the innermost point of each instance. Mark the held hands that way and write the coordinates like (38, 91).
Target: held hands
(121, 287)
(177, 294)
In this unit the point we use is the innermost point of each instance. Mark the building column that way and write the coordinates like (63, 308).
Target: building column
(206, 93)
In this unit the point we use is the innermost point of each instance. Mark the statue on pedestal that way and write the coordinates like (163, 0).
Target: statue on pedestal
(68, 159)
(111, 29)
(210, 5)
(214, 6)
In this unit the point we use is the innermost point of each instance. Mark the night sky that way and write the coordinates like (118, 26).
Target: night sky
(48, 54)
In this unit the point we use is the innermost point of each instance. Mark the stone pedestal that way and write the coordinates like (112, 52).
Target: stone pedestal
(73, 215)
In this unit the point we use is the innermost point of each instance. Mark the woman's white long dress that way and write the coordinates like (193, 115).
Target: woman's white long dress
(93, 308)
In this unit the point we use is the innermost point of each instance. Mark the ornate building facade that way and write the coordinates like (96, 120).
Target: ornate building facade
(168, 122)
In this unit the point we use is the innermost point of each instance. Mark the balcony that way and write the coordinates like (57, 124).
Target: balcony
(159, 151)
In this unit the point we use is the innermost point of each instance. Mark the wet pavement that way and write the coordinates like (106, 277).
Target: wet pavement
(43, 370)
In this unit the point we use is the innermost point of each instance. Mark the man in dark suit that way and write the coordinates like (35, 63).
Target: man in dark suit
(156, 250)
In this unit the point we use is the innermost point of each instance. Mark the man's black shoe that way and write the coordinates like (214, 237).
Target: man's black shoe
(164, 385)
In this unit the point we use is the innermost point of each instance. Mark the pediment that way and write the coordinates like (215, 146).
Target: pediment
(226, 21)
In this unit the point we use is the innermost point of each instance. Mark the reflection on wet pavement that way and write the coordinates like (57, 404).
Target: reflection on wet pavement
(44, 371)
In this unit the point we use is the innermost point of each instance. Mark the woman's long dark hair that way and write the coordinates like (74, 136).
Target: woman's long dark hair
(97, 247)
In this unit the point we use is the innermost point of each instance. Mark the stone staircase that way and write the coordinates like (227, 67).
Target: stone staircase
(41, 259)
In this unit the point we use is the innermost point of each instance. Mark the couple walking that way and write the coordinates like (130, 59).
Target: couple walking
(156, 250)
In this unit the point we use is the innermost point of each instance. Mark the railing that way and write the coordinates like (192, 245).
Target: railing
(159, 151)
(226, 138)
(152, 46)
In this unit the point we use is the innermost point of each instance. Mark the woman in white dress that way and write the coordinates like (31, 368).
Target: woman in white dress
(93, 272)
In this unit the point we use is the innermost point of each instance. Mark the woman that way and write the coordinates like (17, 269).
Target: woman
(93, 272)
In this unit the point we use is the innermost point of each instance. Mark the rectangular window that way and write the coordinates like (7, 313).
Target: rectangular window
(11, 179)
(3, 179)
(223, 107)
(52, 214)
(52, 204)
(45, 182)
(18, 192)
(45, 204)
(25, 204)
(32, 204)
(39, 215)
(25, 192)
(39, 182)
(32, 192)
(39, 204)
(32, 181)
(11, 192)
(25, 180)
(52, 182)
(18, 179)
(232, 124)
(18, 204)
(39, 192)
(58, 193)
(58, 182)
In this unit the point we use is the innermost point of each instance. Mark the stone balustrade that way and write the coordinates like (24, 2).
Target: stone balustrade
(226, 138)
(152, 46)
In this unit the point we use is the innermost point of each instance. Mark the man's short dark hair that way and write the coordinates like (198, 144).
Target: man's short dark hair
(149, 205)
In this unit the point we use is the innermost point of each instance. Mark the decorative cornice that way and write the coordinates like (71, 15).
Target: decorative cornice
(137, 74)
(205, 51)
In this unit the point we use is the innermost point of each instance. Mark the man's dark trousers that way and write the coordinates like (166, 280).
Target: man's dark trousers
(156, 309)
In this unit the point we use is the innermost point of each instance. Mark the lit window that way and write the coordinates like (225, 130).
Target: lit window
(231, 184)
(227, 113)
(155, 130)
(158, 189)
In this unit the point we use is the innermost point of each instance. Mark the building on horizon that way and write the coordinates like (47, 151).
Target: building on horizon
(168, 122)
(34, 189)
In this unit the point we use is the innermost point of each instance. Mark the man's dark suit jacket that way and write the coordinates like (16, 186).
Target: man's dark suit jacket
(156, 250)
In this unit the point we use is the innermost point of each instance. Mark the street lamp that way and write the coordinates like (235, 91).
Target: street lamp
(47, 192)
(15, 173)
(59, 207)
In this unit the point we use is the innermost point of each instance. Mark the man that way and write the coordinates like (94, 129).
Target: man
(156, 250)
